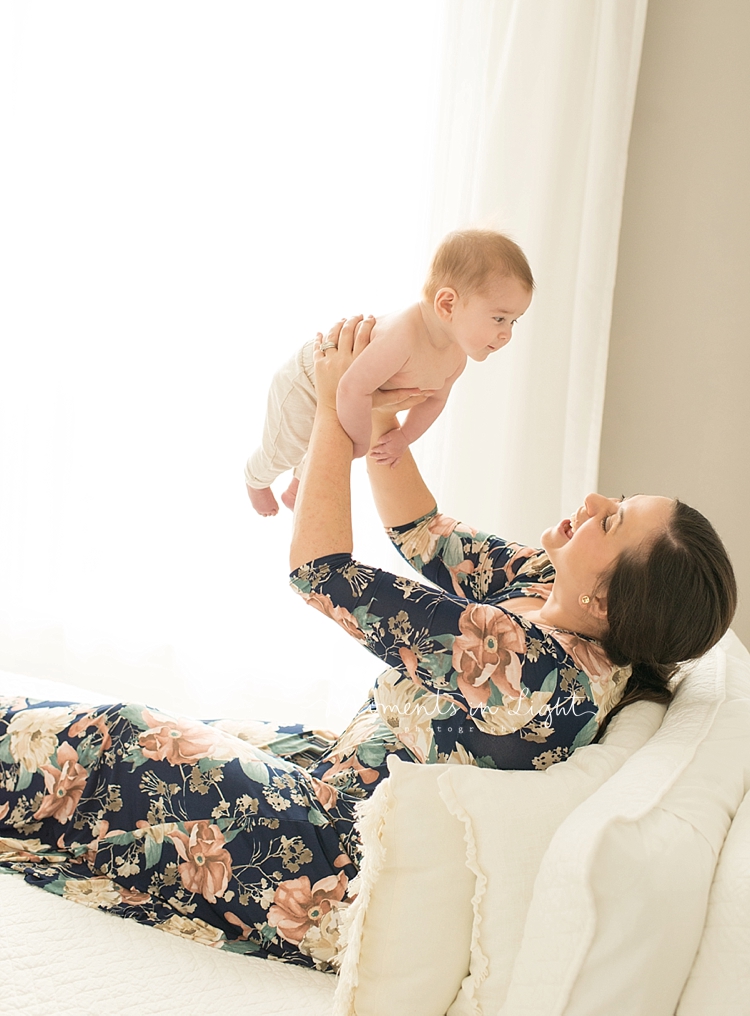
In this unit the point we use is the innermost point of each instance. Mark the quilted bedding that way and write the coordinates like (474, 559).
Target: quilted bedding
(59, 957)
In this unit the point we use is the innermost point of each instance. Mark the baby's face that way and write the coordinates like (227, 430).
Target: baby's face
(483, 322)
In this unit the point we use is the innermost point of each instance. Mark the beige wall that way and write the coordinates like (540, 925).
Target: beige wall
(677, 409)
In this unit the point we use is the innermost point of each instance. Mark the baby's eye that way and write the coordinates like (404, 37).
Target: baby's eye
(499, 320)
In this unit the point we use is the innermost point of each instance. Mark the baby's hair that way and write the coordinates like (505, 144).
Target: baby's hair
(468, 258)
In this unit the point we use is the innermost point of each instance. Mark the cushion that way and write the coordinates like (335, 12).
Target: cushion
(510, 819)
(409, 929)
(439, 892)
(620, 900)
(719, 982)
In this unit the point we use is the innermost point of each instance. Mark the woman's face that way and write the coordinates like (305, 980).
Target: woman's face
(586, 546)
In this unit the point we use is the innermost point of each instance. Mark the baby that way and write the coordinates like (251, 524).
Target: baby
(479, 284)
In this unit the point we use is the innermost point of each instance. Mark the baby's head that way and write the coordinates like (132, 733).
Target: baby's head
(478, 284)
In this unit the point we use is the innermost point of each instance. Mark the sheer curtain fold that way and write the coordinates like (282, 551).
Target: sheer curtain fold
(532, 139)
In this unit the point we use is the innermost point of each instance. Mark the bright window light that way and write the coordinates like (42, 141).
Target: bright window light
(192, 191)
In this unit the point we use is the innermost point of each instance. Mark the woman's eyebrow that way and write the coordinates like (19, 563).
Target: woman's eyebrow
(621, 509)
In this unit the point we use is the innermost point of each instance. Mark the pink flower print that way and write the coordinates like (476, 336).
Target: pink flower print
(245, 928)
(340, 615)
(587, 656)
(100, 723)
(410, 661)
(607, 681)
(443, 525)
(64, 785)
(133, 897)
(487, 650)
(101, 829)
(4, 809)
(297, 905)
(207, 866)
(177, 741)
(325, 793)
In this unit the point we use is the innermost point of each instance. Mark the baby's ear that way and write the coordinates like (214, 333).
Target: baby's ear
(445, 302)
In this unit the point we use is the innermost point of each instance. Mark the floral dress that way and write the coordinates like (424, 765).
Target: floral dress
(469, 681)
(242, 835)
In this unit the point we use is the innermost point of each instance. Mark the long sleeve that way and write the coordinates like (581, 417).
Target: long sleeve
(466, 562)
(465, 673)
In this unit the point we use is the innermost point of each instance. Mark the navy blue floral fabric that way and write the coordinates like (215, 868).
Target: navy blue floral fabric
(184, 825)
(469, 681)
(241, 835)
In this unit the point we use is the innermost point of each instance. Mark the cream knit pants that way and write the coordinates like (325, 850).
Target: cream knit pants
(289, 419)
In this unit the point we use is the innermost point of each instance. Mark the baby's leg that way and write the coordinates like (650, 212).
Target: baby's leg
(286, 434)
(289, 497)
(262, 500)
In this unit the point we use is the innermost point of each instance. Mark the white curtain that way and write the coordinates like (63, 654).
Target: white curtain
(535, 114)
(192, 190)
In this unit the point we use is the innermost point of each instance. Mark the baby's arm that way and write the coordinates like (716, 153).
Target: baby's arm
(372, 368)
(391, 446)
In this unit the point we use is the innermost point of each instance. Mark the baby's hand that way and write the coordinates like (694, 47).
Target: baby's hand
(387, 451)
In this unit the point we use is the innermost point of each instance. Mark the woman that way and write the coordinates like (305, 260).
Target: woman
(518, 659)
(525, 653)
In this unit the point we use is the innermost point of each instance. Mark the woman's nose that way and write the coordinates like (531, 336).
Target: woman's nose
(595, 502)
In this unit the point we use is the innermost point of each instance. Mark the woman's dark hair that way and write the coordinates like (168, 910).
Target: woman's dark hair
(668, 605)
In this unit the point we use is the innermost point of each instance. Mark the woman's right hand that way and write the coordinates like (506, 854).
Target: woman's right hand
(335, 352)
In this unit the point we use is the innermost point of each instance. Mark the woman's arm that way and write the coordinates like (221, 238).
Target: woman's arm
(322, 513)
(400, 493)
(453, 556)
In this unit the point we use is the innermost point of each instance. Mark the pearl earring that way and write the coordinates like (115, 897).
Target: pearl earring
(585, 599)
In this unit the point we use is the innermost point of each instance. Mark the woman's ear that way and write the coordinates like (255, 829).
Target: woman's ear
(445, 303)
(597, 606)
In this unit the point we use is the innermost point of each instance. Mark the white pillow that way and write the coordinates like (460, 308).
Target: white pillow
(408, 931)
(620, 900)
(422, 897)
(510, 819)
(719, 982)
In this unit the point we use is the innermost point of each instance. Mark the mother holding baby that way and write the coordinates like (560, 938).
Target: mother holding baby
(508, 657)
(522, 654)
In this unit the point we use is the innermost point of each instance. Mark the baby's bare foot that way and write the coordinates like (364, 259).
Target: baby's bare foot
(263, 501)
(290, 494)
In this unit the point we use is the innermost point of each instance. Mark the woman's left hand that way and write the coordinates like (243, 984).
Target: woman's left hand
(335, 353)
